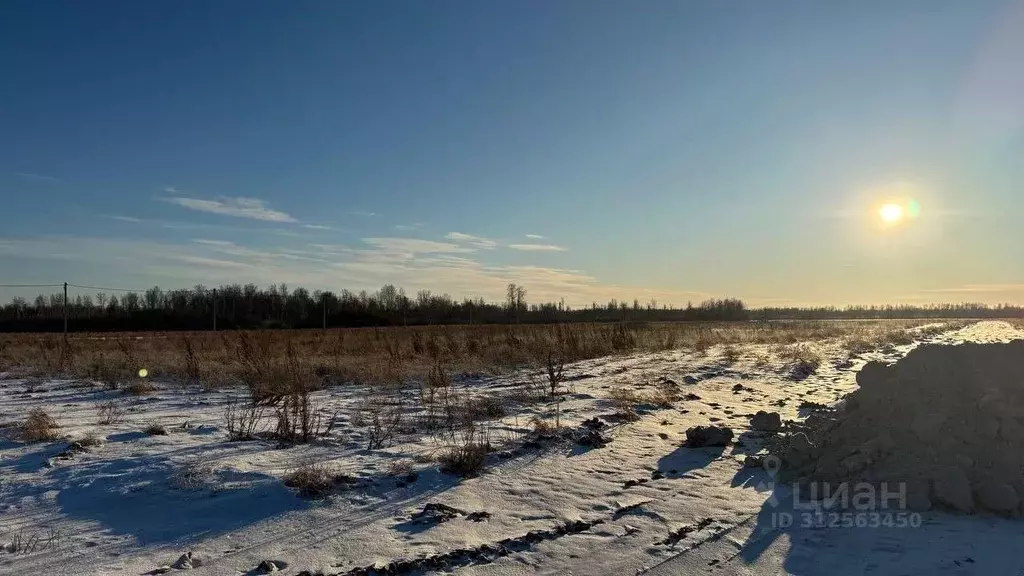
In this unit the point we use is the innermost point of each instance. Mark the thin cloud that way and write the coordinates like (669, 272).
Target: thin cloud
(537, 247)
(35, 177)
(415, 246)
(213, 242)
(534, 236)
(411, 263)
(317, 227)
(170, 190)
(478, 241)
(131, 219)
(240, 207)
(214, 262)
(363, 213)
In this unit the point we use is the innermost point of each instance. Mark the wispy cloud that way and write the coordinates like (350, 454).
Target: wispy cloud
(212, 262)
(411, 263)
(478, 241)
(131, 219)
(412, 226)
(363, 213)
(170, 190)
(534, 236)
(240, 207)
(178, 225)
(537, 247)
(317, 227)
(213, 242)
(36, 177)
(415, 246)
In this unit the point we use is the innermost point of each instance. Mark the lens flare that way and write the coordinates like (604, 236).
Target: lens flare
(143, 372)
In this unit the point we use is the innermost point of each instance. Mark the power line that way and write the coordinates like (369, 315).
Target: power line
(104, 288)
(70, 286)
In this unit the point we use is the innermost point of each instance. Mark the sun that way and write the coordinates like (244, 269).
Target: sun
(891, 213)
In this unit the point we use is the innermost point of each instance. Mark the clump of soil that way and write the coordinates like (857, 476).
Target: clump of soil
(436, 513)
(766, 421)
(703, 436)
(946, 420)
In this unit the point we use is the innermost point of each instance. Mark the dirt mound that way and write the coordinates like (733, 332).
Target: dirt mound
(701, 436)
(947, 420)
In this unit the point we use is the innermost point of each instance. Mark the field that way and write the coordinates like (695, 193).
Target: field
(346, 355)
(478, 449)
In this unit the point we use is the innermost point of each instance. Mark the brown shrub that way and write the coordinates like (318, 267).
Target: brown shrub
(730, 354)
(400, 468)
(541, 426)
(243, 422)
(664, 397)
(90, 440)
(110, 413)
(801, 361)
(466, 460)
(139, 387)
(312, 480)
(39, 427)
(192, 475)
(623, 397)
(484, 408)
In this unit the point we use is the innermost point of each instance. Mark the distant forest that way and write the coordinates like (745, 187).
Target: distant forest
(236, 306)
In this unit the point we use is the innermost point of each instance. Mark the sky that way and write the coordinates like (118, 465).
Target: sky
(587, 150)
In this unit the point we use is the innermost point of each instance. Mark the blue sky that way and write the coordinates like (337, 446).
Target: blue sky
(585, 149)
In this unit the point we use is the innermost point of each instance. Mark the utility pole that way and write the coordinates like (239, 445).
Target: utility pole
(65, 309)
(214, 309)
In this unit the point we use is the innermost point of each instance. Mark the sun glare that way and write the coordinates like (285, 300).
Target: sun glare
(891, 213)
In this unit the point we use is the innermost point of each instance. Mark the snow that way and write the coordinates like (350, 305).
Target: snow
(118, 508)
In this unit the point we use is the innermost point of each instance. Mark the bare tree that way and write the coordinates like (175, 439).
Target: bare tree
(520, 300)
(510, 297)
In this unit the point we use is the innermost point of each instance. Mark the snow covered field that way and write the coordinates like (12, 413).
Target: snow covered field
(646, 504)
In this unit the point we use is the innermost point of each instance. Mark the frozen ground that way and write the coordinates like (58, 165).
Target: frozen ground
(117, 510)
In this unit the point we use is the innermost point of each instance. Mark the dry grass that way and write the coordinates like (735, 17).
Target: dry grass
(38, 427)
(623, 397)
(731, 354)
(243, 421)
(483, 408)
(666, 394)
(90, 440)
(110, 413)
(400, 468)
(139, 388)
(192, 476)
(466, 460)
(625, 400)
(25, 542)
(542, 427)
(800, 360)
(348, 354)
(312, 480)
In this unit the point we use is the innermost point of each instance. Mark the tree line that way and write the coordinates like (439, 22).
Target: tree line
(248, 306)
